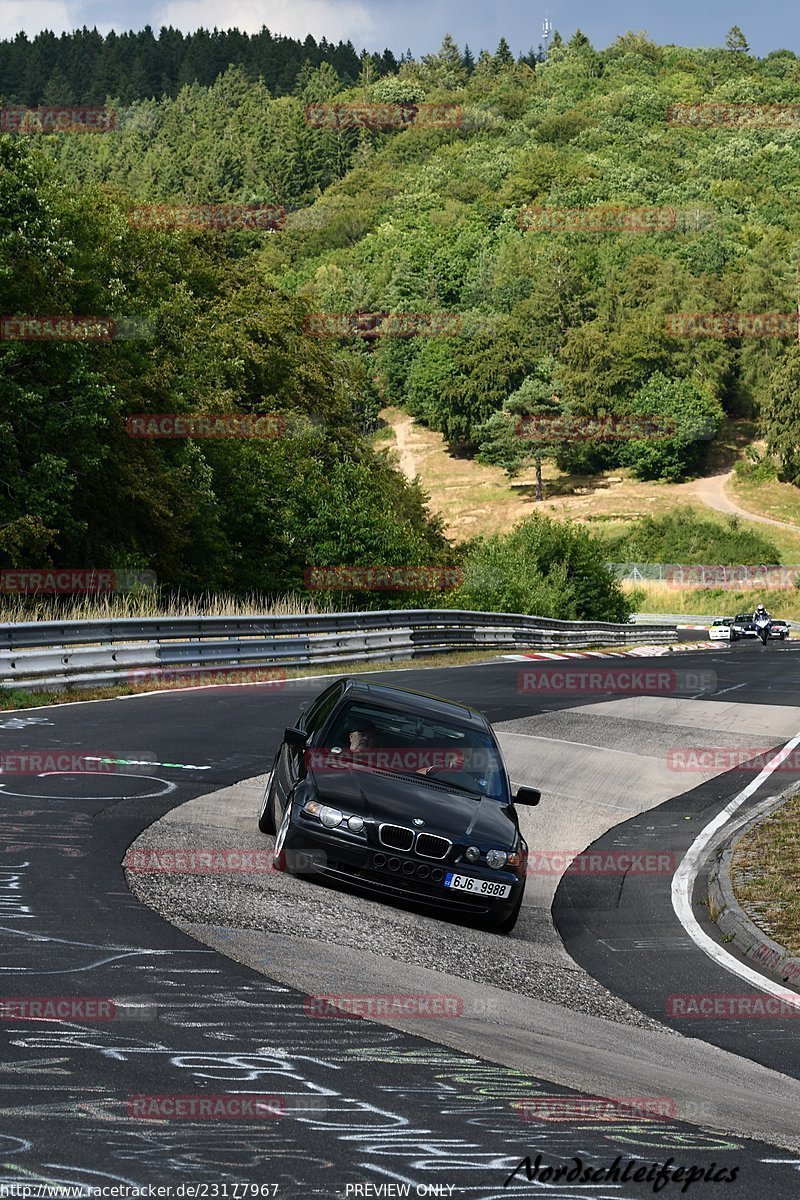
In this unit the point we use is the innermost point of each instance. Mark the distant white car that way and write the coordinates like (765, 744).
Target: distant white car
(723, 630)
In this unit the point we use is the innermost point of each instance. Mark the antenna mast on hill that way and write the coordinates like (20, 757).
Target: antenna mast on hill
(547, 30)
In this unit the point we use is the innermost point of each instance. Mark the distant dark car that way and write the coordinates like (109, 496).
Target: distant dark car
(779, 629)
(744, 625)
(401, 795)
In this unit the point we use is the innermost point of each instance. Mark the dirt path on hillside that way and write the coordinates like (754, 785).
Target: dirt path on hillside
(473, 499)
(712, 492)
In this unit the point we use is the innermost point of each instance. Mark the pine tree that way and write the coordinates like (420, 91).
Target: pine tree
(503, 56)
(369, 70)
(468, 61)
(736, 41)
(578, 41)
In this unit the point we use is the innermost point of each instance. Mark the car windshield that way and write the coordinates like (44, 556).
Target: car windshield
(378, 738)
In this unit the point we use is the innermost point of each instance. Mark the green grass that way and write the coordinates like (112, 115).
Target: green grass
(766, 875)
(663, 598)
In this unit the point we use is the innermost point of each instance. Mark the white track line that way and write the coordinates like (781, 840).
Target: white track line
(683, 883)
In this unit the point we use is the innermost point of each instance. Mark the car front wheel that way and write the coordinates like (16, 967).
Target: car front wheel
(506, 924)
(266, 814)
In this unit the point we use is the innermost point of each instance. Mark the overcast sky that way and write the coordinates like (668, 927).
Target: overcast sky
(420, 25)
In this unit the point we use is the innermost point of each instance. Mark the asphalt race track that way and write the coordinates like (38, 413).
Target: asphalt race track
(353, 1107)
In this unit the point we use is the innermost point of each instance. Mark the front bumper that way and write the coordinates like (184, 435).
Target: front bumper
(394, 874)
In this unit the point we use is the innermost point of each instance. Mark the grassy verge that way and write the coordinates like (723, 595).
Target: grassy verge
(665, 598)
(766, 875)
(767, 497)
(148, 603)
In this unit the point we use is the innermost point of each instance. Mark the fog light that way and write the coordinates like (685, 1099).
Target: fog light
(472, 854)
(355, 824)
(496, 859)
(330, 817)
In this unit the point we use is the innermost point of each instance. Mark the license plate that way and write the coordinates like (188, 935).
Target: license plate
(478, 887)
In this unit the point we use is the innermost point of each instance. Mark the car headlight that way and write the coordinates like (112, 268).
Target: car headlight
(472, 854)
(330, 817)
(496, 859)
(333, 818)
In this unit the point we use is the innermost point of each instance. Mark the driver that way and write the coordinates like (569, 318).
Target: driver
(363, 736)
(761, 613)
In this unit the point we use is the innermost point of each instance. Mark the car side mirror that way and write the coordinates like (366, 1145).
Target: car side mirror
(295, 737)
(528, 795)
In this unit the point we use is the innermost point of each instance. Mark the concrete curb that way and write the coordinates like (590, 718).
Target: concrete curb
(738, 928)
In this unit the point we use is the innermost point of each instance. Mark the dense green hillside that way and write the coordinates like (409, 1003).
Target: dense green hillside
(429, 219)
(570, 324)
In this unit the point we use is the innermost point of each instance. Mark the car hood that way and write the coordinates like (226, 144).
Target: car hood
(397, 799)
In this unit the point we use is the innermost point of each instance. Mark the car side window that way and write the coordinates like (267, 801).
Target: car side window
(321, 709)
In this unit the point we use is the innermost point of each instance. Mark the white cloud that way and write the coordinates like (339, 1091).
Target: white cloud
(333, 19)
(33, 16)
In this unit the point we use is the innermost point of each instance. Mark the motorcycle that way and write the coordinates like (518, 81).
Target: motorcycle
(762, 625)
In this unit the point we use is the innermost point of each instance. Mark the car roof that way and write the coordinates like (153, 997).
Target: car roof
(415, 702)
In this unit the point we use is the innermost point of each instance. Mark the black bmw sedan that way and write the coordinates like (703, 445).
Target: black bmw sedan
(402, 795)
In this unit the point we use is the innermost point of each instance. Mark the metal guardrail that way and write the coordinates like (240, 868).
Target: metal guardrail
(56, 654)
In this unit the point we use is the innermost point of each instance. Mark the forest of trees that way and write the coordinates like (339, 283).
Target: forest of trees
(84, 67)
(412, 220)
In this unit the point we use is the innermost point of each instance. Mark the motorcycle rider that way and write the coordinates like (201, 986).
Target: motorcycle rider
(761, 614)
